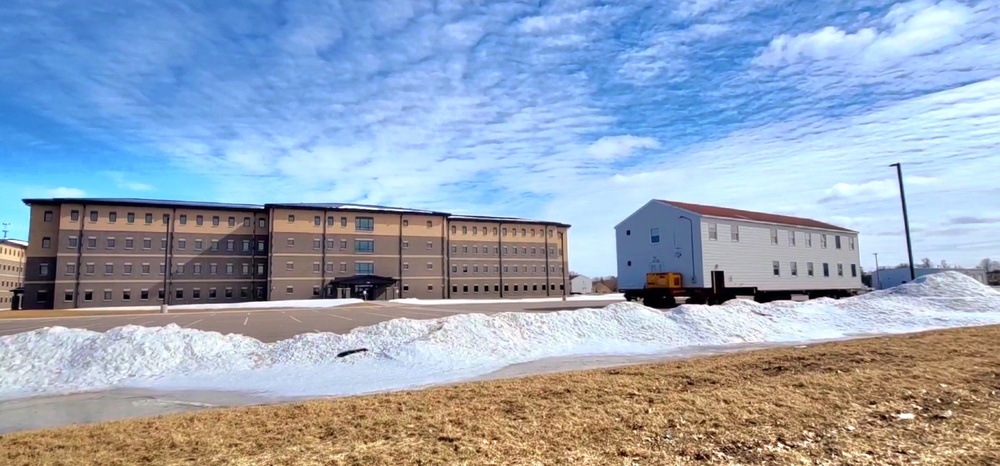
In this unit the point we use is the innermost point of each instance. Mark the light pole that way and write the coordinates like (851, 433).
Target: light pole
(906, 219)
(879, 286)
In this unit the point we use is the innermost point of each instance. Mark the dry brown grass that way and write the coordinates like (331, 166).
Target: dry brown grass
(835, 403)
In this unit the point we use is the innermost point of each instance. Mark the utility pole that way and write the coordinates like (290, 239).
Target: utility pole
(906, 219)
(879, 286)
(6, 225)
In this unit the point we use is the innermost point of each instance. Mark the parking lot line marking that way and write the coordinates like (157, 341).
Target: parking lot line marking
(246, 320)
(383, 315)
(293, 318)
(145, 323)
(192, 323)
(340, 317)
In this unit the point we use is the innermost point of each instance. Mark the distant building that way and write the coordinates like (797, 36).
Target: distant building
(602, 288)
(888, 278)
(12, 256)
(993, 278)
(579, 284)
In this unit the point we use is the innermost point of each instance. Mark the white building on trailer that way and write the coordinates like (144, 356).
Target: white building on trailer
(751, 249)
(888, 278)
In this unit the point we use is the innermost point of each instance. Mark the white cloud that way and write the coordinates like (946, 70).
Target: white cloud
(907, 30)
(877, 189)
(65, 192)
(615, 147)
(124, 181)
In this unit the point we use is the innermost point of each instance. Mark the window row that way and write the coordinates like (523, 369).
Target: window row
(360, 223)
(808, 237)
(148, 218)
(793, 268)
(317, 290)
(180, 244)
(475, 268)
(5, 285)
(12, 252)
(360, 268)
(146, 269)
(506, 288)
(42, 296)
(11, 268)
(485, 231)
(485, 250)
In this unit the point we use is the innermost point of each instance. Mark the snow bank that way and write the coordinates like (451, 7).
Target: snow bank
(405, 353)
(439, 302)
(300, 304)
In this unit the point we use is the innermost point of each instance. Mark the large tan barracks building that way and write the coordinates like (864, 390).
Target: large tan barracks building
(129, 252)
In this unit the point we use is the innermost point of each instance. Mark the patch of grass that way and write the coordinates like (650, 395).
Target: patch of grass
(835, 403)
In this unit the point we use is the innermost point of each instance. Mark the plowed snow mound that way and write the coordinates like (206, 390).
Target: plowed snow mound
(405, 353)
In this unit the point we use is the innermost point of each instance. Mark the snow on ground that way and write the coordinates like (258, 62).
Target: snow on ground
(300, 304)
(440, 302)
(406, 353)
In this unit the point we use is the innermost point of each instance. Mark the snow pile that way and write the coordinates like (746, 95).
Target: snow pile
(405, 353)
(439, 302)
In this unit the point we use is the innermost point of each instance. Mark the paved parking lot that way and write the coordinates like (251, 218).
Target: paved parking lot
(277, 324)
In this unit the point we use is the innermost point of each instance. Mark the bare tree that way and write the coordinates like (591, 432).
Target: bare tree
(989, 265)
(944, 264)
(926, 263)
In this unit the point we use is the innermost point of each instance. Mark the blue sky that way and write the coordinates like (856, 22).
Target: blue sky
(577, 111)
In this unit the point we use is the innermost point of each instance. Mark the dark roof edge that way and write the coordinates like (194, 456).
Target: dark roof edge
(153, 203)
(349, 208)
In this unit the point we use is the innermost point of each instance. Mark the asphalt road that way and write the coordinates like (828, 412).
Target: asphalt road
(277, 324)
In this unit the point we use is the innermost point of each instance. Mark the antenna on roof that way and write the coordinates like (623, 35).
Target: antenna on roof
(5, 226)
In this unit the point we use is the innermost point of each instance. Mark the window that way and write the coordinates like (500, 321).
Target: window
(181, 244)
(329, 221)
(430, 266)
(809, 269)
(854, 270)
(836, 242)
(713, 231)
(196, 293)
(291, 218)
(91, 268)
(213, 269)
(93, 216)
(406, 266)
(230, 268)
(734, 233)
(232, 221)
(364, 268)
(127, 269)
(112, 217)
(776, 267)
(840, 270)
(654, 235)
(126, 295)
(74, 215)
(261, 245)
(147, 243)
(406, 245)
(130, 217)
(246, 222)
(364, 224)
(331, 244)
(144, 295)
(145, 269)
(163, 244)
(46, 242)
(343, 221)
(774, 236)
(290, 242)
(261, 223)
(229, 293)
(260, 269)
(109, 243)
(317, 244)
(809, 240)
(465, 230)
(68, 296)
(289, 289)
(795, 269)
(364, 246)
(230, 245)
(199, 220)
(791, 237)
(213, 293)
(92, 242)
(43, 270)
(317, 220)
(88, 295)
(430, 224)
(179, 293)
(315, 290)
(215, 220)
(109, 269)
(822, 241)
(149, 219)
(316, 267)
(343, 267)
(850, 240)
(70, 269)
(826, 269)
(73, 242)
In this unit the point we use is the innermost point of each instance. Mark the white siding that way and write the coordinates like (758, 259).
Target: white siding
(749, 262)
(637, 254)
(581, 284)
